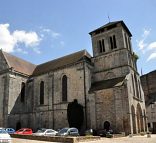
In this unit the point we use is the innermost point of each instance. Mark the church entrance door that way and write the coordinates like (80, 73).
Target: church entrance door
(106, 125)
(75, 114)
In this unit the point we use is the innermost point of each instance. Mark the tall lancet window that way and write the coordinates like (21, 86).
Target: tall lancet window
(22, 92)
(41, 92)
(64, 88)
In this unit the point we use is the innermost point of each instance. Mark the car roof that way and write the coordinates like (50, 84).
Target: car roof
(25, 129)
(73, 128)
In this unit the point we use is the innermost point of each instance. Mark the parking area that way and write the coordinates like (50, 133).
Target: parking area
(134, 139)
(17, 140)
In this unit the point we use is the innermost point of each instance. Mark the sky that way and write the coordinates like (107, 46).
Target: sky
(42, 30)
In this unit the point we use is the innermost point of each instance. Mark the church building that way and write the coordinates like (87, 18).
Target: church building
(102, 91)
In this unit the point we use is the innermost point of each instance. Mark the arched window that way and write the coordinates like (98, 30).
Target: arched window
(22, 91)
(101, 46)
(136, 86)
(64, 88)
(113, 42)
(133, 85)
(42, 92)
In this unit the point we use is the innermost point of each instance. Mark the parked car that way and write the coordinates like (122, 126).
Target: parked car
(24, 131)
(4, 136)
(104, 133)
(45, 132)
(88, 132)
(68, 132)
(10, 130)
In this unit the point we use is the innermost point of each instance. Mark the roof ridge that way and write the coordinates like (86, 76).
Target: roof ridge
(82, 51)
(61, 62)
(4, 53)
(18, 64)
(111, 24)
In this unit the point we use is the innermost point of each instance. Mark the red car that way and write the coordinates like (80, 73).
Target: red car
(24, 131)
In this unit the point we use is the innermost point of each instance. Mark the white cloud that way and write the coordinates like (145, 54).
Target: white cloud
(54, 34)
(7, 42)
(28, 38)
(141, 43)
(152, 57)
(37, 50)
(152, 46)
(21, 50)
(46, 30)
(10, 41)
(148, 48)
(146, 33)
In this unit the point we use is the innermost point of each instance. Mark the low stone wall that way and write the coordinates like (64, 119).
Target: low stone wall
(57, 138)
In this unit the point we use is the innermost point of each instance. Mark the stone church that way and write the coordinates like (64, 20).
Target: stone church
(106, 86)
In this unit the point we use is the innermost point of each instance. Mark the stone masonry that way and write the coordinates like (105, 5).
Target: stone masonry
(149, 86)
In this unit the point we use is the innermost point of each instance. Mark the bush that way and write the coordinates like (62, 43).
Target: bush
(142, 133)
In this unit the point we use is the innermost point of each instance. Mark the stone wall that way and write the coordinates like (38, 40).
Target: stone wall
(118, 31)
(53, 99)
(3, 63)
(3, 86)
(112, 106)
(111, 65)
(149, 86)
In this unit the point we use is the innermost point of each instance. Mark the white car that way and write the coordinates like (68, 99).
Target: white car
(45, 132)
(4, 136)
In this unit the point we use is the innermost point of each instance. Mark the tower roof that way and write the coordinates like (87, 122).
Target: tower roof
(111, 25)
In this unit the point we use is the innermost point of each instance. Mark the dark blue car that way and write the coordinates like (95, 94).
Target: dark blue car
(10, 130)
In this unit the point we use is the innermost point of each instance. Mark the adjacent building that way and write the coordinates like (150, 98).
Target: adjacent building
(99, 91)
(149, 86)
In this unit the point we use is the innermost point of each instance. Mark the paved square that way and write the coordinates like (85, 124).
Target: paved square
(134, 139)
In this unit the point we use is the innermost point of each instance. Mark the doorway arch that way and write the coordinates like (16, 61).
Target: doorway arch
(139, 118)
(133, 119)
(75, 114)
(106, 125)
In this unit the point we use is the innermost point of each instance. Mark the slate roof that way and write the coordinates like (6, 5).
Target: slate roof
(61, 62)
(106, 84)
(19, 64)
(111, 24)
(28, 68)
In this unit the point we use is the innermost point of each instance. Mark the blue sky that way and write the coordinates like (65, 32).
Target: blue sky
(42, 30)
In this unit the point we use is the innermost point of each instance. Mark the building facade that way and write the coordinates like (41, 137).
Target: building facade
(99, 91)
(149, 86)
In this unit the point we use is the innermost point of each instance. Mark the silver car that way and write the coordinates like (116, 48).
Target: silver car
(45, 132)
(68, 132)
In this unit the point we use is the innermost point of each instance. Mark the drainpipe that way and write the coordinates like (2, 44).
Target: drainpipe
(84, 72)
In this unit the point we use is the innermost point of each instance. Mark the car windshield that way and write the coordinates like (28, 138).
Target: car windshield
(2, 131)
(64, 130)
(21, 130)
(41, 131)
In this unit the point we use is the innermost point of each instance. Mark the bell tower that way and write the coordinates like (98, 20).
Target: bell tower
(112, 52)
